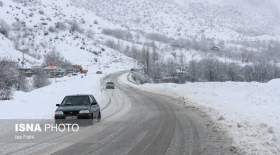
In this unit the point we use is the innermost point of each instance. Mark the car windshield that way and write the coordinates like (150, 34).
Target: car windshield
(75, 100)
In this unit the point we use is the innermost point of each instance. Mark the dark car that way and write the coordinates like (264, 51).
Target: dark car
(99, 72)
(110, 85)
(77, 107)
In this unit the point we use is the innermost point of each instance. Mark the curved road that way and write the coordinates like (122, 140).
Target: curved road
(135, 122)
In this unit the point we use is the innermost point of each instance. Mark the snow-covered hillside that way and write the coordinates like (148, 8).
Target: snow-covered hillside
(242, 32)
(183, 18)
(249, 111)
(31, 29)
(38, 27)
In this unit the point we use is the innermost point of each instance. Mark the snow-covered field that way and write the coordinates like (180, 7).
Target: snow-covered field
(249, 111)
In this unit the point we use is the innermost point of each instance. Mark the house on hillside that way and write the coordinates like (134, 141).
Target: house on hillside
(181, 70)
(77, 68)
(181, 74)
(215, 48)
(27, 72)
(55, 71)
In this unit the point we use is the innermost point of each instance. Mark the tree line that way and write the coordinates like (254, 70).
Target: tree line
(206, 69)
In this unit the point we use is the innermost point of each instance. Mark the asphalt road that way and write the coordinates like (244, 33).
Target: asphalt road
(134, 122)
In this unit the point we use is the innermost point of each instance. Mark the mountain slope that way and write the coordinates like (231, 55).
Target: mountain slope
(36, 28)
(182, 18)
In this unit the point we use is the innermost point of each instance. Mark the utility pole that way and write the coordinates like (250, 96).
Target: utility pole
(23, 60)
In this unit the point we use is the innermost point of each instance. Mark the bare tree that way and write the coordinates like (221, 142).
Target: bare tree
(8, 78)
(40, 79)
(54, 58)
(118, 33)
(4, 28)
(193, 71)
(22, 83)
(75, 27)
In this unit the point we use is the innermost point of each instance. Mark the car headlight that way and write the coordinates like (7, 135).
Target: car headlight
(84, 111)
(59, 113)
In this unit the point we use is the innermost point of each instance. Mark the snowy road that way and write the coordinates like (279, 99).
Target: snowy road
(134, 122)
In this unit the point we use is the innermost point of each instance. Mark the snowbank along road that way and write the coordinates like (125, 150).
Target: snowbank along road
(134, 122)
